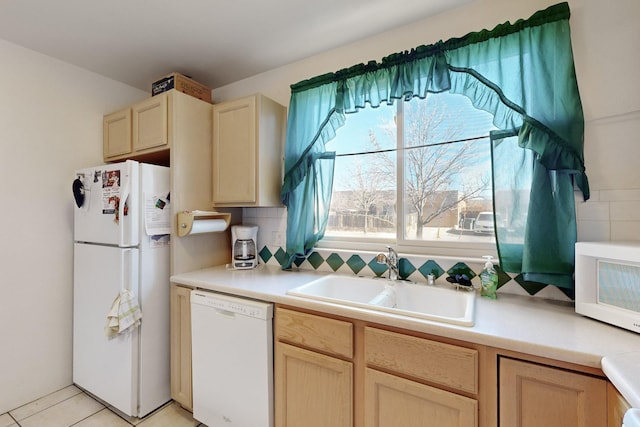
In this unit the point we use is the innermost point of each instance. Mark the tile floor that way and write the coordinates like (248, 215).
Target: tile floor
(73, 407)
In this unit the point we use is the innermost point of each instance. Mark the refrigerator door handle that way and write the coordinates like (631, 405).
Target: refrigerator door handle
(129, 208)
(128, 271)
(123, 207)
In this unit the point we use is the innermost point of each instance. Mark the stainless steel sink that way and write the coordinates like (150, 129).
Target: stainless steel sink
(397, 297)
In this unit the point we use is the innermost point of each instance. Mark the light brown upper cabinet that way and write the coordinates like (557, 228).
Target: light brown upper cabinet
(150, 129)
(137, 131)
(147, 130)
(248, 142)
(117, 134)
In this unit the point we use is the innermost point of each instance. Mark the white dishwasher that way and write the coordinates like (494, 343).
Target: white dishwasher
(232, 360)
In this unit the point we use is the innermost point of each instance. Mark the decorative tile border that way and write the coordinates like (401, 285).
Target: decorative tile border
(412, 267)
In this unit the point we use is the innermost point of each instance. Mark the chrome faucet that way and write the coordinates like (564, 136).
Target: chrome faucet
(391, 260)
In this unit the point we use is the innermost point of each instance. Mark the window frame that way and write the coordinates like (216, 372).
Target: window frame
(474, 250)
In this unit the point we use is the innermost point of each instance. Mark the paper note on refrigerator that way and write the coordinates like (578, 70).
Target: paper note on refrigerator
(157, 214)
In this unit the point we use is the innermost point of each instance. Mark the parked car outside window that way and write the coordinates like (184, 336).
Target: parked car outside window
(484, 223)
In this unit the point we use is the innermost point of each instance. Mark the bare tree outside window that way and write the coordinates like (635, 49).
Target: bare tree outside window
(444, 177)
(366, 191)
(364, 194)
(434, 166)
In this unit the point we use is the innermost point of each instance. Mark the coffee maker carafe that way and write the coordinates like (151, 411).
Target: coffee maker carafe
(243, 246)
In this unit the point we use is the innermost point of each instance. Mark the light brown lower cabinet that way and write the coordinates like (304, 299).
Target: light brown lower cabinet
(181, 346)
(392, 401)
(339, 372)
(313, 370)
(312, 389)
(533, 395)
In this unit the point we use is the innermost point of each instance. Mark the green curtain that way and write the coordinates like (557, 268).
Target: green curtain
(308, 182)
(521, 73)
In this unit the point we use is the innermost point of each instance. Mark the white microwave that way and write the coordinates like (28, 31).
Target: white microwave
(608, 282)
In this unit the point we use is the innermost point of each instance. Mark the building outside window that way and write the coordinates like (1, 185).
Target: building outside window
(416, 173)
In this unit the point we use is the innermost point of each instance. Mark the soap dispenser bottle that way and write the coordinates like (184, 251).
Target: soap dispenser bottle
(489, 279)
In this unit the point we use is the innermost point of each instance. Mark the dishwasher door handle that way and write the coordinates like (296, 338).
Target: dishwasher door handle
(226, 313)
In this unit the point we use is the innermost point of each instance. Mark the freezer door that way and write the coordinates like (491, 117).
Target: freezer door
(106, 367)
(110, 212)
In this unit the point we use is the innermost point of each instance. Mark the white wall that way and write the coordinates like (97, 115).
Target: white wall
(50, 125)
(605, 37)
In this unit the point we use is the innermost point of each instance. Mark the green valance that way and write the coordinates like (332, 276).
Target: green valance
(551, 14)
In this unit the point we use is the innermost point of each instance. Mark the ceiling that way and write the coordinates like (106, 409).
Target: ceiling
(214, 41)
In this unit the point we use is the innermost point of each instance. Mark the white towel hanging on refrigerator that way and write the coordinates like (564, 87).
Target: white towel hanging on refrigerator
(125, 313)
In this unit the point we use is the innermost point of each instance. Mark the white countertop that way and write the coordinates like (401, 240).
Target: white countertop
(623, 370)
(540, 327)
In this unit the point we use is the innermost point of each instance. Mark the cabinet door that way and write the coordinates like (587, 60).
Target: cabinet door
(150, 124)
(117, 133)
(532, 395)
(392, 401)
(234, 151)
(181, 346)
(311, 389)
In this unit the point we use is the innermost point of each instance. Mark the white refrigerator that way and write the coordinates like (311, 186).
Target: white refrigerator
(121, 285)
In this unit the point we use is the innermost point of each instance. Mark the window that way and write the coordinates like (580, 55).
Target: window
(416, 174)
(523, 74)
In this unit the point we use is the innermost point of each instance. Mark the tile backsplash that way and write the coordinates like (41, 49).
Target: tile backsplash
(611, 158)
(271, 248)
(272, 223)
(609, 215)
